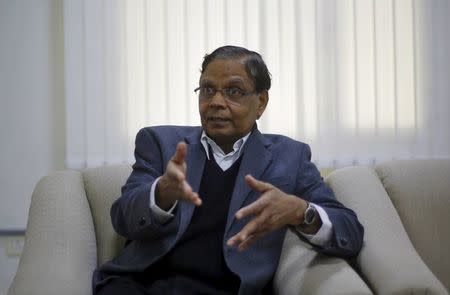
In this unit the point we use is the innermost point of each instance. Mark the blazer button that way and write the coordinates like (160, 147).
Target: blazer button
(142, 221)
(344, 241)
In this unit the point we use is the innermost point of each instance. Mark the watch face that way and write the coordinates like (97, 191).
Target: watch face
(310, 215)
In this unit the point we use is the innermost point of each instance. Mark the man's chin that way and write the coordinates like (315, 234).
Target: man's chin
(218, 134)
(214, 133)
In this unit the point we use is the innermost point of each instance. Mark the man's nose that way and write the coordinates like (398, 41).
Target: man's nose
(218, 99)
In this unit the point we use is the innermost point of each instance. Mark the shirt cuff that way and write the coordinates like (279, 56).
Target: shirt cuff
(159, 214)
(323, 235)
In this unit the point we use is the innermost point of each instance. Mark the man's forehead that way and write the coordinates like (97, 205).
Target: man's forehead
(230, 80)
(226, 70)
(226, 65)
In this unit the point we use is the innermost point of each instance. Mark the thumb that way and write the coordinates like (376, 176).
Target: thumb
(180, 153)
(257, 185)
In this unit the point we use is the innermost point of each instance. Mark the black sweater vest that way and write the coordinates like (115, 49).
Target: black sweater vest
(196, 264)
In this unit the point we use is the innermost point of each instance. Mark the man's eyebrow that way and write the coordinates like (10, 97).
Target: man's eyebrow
(205, 82)
(236, 80)
(233, 80)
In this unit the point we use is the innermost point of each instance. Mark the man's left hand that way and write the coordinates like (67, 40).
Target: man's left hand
(273, 210)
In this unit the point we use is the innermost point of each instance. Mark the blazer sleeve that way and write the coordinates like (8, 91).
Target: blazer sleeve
(131, 215)
(347, 237)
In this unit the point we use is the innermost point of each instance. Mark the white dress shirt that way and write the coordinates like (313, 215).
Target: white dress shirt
(321, 238)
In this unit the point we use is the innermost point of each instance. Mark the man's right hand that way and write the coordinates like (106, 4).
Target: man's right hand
(172, 185)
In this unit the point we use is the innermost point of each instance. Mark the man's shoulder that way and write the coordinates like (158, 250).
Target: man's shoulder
(278, 139)
(284, 146)
(173, 131)
(171, 134)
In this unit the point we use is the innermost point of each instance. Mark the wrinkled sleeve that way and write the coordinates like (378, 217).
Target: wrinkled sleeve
(347, 232)
(131, 215)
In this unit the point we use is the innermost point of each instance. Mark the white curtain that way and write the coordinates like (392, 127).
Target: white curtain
(361, 81)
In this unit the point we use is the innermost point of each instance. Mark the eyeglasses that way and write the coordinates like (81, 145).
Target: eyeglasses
(233, 95)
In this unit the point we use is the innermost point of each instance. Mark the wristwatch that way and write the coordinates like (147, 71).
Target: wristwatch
(310, 215)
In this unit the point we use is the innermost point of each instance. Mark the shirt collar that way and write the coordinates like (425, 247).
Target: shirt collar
(217, 150)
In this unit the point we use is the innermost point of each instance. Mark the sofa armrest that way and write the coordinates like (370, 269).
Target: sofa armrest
(302, 270)
(60, 253)
(388, 259)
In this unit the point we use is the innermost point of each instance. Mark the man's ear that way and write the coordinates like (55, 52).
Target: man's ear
(263, 101)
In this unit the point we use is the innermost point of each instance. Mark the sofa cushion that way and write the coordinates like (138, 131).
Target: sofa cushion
(59, 252)
(388, 259)
(102, 187)
(420, 191)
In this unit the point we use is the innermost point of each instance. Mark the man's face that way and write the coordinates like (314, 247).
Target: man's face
(223, 120)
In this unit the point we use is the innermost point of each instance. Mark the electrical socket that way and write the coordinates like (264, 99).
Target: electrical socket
(14, 245)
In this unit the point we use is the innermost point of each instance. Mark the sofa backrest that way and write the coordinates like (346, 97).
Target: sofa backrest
(102, 187)
(420, 191)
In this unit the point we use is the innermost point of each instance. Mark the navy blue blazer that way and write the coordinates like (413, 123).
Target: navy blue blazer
(276, 159)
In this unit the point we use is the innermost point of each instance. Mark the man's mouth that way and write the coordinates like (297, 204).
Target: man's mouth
(218, 119)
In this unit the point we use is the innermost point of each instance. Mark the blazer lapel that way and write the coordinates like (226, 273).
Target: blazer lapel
(195, 162)
(255, 159)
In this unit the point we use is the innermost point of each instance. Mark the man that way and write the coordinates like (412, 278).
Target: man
(206, 208)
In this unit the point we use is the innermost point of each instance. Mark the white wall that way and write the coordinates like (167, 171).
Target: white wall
(32, 102)
(32, 121)
(32, 105)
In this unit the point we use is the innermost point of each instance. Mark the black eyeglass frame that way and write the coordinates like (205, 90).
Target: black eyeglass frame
(229, 97)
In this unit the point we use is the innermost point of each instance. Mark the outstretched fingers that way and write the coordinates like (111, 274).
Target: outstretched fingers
(252, 209)
(257, 185)
(250, 233)
(268, 213)
(257, 206)
(191, 196)
(180, 153)
(173, 184)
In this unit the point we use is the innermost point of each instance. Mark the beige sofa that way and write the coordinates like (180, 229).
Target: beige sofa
(404, 206)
